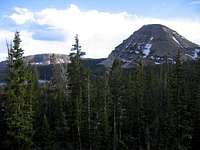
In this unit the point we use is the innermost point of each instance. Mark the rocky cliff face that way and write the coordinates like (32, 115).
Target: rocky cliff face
(154, 44)
(45, 59)
(42, 60)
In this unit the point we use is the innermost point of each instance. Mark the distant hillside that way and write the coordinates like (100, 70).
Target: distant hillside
(45, 59)
(44, 65)
(154, 44)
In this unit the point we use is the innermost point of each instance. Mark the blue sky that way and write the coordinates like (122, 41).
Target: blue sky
(153, 8)
(51, 24)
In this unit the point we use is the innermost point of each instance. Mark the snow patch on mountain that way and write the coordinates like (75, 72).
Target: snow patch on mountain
(176, 40)
(137, 52)
(189, 56)
(146, 50)
(152, 57)
(165, 29)
(157, 63)
(196, 52)
(127, 45)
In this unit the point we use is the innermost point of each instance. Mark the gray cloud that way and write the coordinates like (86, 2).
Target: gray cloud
(49, 35)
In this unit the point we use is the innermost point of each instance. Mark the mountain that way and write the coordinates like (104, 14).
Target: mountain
(45, 59)
(153, 43)
(43, 63)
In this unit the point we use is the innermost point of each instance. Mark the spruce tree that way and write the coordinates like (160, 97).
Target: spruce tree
(43, 135)
(115, 83)
(76, 96)
(20, 98)
(106, 111)
(3, 123)
(180, 114)
(140, 85)
(57, 102)
(196, 107)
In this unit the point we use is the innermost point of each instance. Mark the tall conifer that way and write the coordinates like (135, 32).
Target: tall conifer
(20, 98)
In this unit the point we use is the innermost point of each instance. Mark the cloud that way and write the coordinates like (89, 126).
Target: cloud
(5, 36)
(22, 16)
(49, 35)
(100, 32)
(33, 46)
(195, 2)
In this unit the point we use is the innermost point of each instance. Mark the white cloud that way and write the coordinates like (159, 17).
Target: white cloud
(99, 31)
(32, 46)
(22, 15)
(195, 2)
(5, 36)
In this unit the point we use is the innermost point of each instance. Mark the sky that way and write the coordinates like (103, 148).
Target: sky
(49, 26)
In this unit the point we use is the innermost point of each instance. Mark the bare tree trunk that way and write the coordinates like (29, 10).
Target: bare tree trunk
(115, 130)
(148, 144)
(79, 139)
(78, 122)
(89, 114)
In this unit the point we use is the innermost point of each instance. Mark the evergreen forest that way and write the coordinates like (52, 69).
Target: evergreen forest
(148, 107)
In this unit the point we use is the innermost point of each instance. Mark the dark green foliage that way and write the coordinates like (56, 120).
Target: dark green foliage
(3, 123)
(115, 86)
(20, 99)
(43, 135)
(146, 108)
(77, 97)
(181, 125)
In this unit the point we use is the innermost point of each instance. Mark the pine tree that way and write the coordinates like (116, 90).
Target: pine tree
(89, 111)
(76, 97)
(57, 102)
(115, 83)
(196, 122)
(140, 105)
(3, 123)
(106, 109)
(163, 110)
(196, 107)
(20, 112)
(43, 135)
(180, 114)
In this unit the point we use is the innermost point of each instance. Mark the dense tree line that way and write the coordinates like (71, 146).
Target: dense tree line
(145, 108)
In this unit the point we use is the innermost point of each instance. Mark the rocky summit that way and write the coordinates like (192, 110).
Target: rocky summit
(154, 44)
